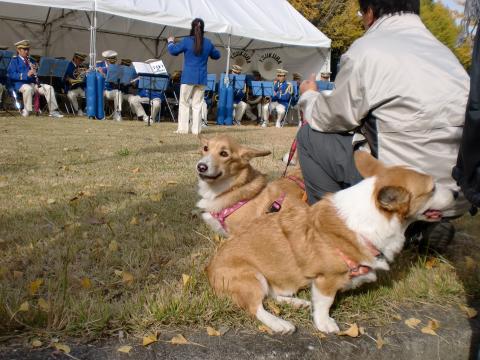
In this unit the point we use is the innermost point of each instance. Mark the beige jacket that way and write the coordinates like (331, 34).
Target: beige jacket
(412, 90)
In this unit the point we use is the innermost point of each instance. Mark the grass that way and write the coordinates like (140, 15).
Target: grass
(96, 219)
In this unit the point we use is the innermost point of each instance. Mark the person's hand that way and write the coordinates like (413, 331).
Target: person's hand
(31, 72)
(309, 84)
(171, 39)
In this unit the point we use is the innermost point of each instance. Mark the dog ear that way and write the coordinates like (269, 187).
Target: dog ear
(203, 139)
(247, 153)
(366, 164)
(394, 198)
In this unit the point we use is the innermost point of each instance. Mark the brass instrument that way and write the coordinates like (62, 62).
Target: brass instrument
(266, 100)
(216, 97)
(79, 74)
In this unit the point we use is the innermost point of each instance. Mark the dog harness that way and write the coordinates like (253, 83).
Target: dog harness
(221, 216)
(356, 269)
(277, 204)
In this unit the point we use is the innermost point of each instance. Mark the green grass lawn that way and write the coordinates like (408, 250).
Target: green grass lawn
(98, 233)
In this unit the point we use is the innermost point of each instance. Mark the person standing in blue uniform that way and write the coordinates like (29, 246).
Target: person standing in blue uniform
(197, 49)
(22, 73)
(75, 81)
(282, 91)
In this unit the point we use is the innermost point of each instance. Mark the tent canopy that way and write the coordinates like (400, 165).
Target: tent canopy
(138, 29)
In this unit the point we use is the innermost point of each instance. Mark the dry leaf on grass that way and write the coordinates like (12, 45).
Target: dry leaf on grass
(136, 170)
(431, 263)
(36, 343)
(352, 331)
(172, 182)
(412, 323)
(179, 340)
(380, 341)
(113, 246)
(51, 201)
(431, 327)
(24, 307)
(134, 221)
(34, 286)
(43, 305)
(127, 278)
(86, 283)
(265, 329)
(62, 347)
(470, 312)
(124, 349)
(272, 306)
(212, 332)
(185, 279)
(149, 339)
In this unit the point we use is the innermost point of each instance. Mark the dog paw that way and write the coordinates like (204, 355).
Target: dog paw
(280, 326)
(327, 325)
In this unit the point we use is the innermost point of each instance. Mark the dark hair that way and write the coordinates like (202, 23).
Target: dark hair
(385, 7)
(197, 31)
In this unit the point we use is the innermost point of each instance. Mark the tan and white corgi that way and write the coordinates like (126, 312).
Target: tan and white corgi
(337, 244)
(232, 192)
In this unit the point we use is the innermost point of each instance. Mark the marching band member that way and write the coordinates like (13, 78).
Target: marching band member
(144, 97)
(110, 58)
(22, 72)
(239, 106)
(75, 81)
(3, 80)
(295, 113)
(282, 91)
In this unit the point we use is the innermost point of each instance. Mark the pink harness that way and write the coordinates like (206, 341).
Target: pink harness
(356, 269)
(221, 216)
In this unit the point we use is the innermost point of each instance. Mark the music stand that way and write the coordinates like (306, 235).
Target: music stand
(262, 88)
(119, 75)
(323, 85)
(154, 82)
(238, 80)
(52, 68)
(5, 58)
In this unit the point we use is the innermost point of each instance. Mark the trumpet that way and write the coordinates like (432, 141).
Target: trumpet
(79, 74)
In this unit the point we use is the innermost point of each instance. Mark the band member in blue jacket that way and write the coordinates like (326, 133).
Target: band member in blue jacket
(282, 91)
(197, 49)
(111, 92)
(75, 81)
(22, 73)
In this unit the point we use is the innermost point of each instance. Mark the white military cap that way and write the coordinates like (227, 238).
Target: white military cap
(23, 44)
(236, 68)
(108, 54)
(3, 47)
(80, 55)
(325, 73)
(150, 61)
(282, 72)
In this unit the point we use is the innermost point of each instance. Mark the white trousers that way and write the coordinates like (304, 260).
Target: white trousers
(2, 89)
(204, 111)
(273, 106)
(47, 91)
(116, 96)
(136, 102)
(195, 93)
(73, 96)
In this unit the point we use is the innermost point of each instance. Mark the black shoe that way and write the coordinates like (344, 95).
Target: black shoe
(429, 237)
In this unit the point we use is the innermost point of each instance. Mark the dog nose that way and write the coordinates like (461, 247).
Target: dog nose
(202, 167)
(455, 194)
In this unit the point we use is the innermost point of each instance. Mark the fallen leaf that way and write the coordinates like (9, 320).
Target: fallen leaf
(36, 343)
(428, 330)
(212, 332)
(24, 307)
(62, 347)
(470, 312)
(149, 339)
(265, 329)
(431, 263)
(17, 274)
(470, 263)
(352, 331)
(272, 306)
(172, 182)
(34, 286)
(380, 342)
(134, 221)
(186, 279)
(136, 170)
(113, 246)
(156, 197)
(179, 340)
(86, 283)
(43, 305)
(118, 272)
(51, 201)
(397, 317)
(127, 278)
(124, 349)
(412, 323)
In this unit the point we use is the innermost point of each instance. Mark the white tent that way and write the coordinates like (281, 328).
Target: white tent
(263, 35)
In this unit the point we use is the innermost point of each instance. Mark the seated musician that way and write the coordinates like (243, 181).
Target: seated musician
(75, 81)
(3, 79)
(144, 97)
(324, 83)
(239, 104)
(22, 73)
(282, 91)
(294, 115)
(128, 90)
(111, 92)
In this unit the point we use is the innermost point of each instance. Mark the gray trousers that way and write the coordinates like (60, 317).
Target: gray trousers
(327, 162)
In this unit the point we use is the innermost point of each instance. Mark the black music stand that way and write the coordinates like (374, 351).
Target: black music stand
(5, 58)
(120, 75)
(154, 82)
(50, 67)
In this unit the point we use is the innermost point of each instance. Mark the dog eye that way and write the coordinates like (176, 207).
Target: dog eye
(224, 154)
(205, 148)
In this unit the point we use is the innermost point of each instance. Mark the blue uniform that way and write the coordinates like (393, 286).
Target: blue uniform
(282, 95)
(155, 94)
(325, 85)
(238, 96)
(18, 72)
(103, 65)
(69, 74)
(194, 67)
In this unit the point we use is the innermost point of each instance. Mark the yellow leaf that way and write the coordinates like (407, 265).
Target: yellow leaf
(412, 323)
(380, 342)
(433, 324)
(36, 343)
(34, 286)
(179, 340)
(51, 201)
(149, 339)
(43, 305)
(428, 330)
(172, 182)
(265, 329)
(185, 279)
(156, 197)
(62, 347)
(431, 263)
(124, 349)
(134, 221)
(212, 332)
(397, 317)
(113, 246)
(127, 278)
(17, 274)
(136, 170)
(272, 306)
(24, 307)
(471, 312)
(118, 272)
(352, 331)
(86, 283)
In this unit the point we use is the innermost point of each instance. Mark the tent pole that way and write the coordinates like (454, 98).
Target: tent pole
(93, 36)
(227, 80)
